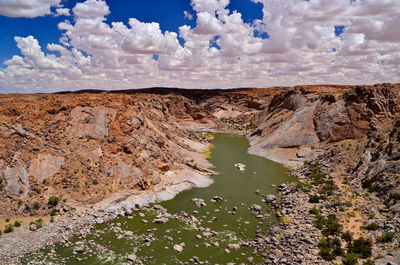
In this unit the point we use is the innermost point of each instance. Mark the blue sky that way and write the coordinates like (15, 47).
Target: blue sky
(169, 13)
(53, 45)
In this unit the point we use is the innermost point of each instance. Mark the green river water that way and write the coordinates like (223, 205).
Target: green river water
(237, 188)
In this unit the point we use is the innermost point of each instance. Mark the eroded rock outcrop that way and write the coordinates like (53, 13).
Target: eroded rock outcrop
(91, 122)
(15, 178)
(45, 166)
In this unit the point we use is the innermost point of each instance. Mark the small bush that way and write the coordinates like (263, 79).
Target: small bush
(314, 211)
(38, 191)
(371, 188)
(330, 248)
(95, 182)
(372, 226)
(362, 247)
(320, 221)
(1, 187)
(328, 188)
(20, 191)
(347, 236)
(332, 226)
(53, 200)
(36, 205)
(17, 224)
(8, 228)
(350, 259)
(38, 223)
(7, 220)
(53, 212)
(52, 219)
(20, 202)
(314, 199)
(1, 232)
(45, 181)
(386, 237)
(306, 187)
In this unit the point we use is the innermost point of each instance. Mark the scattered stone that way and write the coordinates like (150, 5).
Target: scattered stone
(216, 199)
(234, 246)
(178, 248)
(131, 257)
(199, 202)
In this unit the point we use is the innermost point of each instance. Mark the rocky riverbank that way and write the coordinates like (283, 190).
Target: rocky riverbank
(22, 242)
(322, 220)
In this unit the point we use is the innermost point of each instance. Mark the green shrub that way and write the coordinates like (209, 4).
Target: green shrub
(17, 224)
(332, 226)
(386, 237)
(7, 220)
(350, 259)
(306, 187)
(38, 191)
(53, 200)
(53, 212)
(1, 232)
(314, 211)
(95, 182)
(347, 236)
(1, 187)
(45, 181)
(330, 248)
(320, 221)
(38, 223)
(20, 202)
(362, 247)
(8, 228)
(314, 199)
(52, 219)
(36, 205)
(20, 191)
(372, 226)
(371, 188)
(328, 188)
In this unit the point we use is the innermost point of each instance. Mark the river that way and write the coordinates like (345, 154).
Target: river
(218, 224)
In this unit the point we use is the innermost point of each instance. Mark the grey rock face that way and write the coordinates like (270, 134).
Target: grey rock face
(45, 166)
(91, 122)
(15, 178)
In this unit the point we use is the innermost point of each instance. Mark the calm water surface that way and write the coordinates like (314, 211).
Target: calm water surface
(237, 188)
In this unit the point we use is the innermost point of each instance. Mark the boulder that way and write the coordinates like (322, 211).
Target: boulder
(234, 246)
(178, 248)
(131, 257)
(162, 220)
(270, 198)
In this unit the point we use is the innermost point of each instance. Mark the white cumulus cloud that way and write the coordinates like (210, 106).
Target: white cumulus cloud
(27, 8)
(221, 50)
